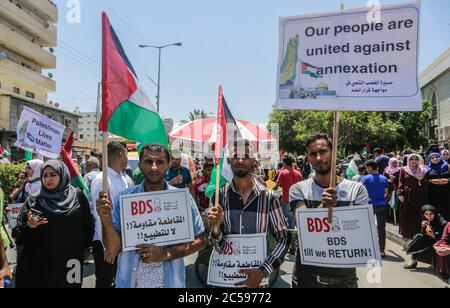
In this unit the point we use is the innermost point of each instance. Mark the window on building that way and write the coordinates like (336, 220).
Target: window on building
(88, 128)
(80, 129)
(433, 133)
(81, 136)
(434, 105)
(16, 90)
(30, 95)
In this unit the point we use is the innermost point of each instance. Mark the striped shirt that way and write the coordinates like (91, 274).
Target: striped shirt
(261, 211)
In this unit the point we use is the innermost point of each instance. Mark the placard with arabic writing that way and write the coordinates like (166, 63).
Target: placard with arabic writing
(240, 252)
(160, 218)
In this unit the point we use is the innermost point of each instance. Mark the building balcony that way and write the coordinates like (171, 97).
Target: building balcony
(24, 76)
(26, 48)
(43, 34)
(45, 9)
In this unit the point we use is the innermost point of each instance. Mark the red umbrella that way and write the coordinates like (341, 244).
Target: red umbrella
(205, 131)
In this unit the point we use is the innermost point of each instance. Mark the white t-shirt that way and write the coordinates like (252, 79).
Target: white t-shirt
(118, 182)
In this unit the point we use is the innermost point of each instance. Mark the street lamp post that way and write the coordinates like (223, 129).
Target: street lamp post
(160, 48)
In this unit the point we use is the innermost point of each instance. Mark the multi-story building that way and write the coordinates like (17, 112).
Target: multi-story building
(435, 85)
(27, 33)
(88, 127)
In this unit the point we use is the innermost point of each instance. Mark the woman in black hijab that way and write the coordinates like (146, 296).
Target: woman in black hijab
(421, 248)
(55, 226)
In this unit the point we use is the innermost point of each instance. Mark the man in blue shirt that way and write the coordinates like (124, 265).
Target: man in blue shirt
(382, 160)
(378, 187)
(179, 176)
(149, 265)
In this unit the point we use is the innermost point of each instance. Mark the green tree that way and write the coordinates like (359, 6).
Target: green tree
(197, 114)
(393, 131)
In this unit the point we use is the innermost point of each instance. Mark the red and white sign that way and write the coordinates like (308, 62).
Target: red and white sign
(159, 218)
(12, 213)
(350, 241)
(240, 252)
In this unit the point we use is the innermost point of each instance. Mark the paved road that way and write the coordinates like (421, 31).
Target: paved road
(392, 274)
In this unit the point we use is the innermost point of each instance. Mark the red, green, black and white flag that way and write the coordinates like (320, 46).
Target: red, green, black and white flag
(227, 132)
(311, 70)
(76, 180)
(126, 110)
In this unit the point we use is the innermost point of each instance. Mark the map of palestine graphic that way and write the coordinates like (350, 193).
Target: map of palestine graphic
(288, 71)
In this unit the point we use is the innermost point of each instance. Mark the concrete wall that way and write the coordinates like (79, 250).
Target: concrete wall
(440, 86)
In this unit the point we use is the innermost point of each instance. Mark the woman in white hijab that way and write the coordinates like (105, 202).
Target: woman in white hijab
(34, 176)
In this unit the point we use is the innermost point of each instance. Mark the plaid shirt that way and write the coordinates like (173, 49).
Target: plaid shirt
(263, 209)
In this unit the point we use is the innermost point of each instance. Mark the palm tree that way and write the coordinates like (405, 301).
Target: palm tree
(198, 114)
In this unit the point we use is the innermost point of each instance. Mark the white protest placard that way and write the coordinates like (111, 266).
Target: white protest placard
(354, 60)
(39, 134)
(160, 218)
(240, 252)
(350, 241)
(12, 213)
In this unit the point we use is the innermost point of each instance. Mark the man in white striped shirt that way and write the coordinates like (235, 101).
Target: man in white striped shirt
(247, 207)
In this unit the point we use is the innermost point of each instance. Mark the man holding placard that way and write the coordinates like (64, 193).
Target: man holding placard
(312, 194)
(149, 265)
(240, 224)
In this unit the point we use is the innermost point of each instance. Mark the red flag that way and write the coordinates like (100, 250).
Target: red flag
(221, 139)
(118, 82)
(76, 179)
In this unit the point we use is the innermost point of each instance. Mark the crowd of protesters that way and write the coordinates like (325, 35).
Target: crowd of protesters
(58, 222)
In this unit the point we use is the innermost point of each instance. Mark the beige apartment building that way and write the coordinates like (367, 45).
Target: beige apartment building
(27, 34)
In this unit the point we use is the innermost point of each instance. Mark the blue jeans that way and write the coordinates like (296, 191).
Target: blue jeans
(290, 220)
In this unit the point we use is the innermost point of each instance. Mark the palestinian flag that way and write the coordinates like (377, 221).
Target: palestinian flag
(227, 132)
(308, 69)
(76, 179)
(127, 111)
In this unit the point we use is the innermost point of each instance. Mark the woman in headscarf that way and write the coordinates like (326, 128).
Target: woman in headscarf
(55, 226)
(446, 155)
(392, 173)
(412, 195)
(33, 171)
(442, 248)
(438, 175)
(421, 248)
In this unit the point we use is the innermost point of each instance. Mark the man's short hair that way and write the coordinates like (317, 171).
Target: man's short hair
(378, 151)
(372, 164)
(362, 168)
(208, 164)
(288, 161)
(157, 148)
(115, 148)
(94, 161)
(317, 137)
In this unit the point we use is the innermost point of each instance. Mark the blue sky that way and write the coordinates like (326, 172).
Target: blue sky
(232, 42)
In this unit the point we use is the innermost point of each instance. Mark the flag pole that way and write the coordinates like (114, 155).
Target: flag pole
(337, 118)
(105, 162)
(219, 146)
(217, 197)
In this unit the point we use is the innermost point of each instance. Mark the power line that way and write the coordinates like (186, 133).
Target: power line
(68, 47)
(124, 22)
(80, 61)
(77, 65)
